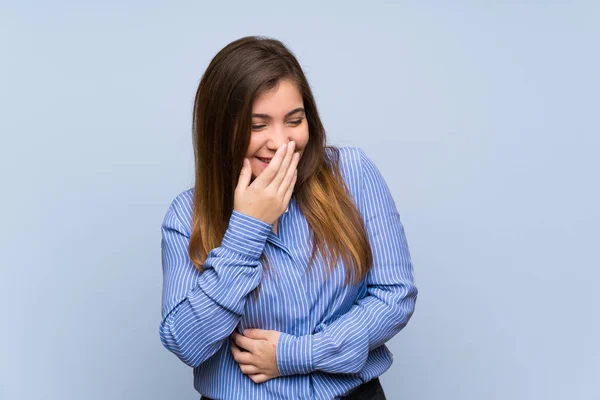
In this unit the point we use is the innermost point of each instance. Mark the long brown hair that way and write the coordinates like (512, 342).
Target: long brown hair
(236, 76)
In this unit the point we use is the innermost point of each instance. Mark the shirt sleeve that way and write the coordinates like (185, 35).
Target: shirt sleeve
(201, 309)
(343, 346)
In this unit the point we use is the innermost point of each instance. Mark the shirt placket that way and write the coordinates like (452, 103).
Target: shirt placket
(301, 327)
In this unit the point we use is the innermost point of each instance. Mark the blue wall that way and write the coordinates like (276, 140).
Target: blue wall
(483, 118)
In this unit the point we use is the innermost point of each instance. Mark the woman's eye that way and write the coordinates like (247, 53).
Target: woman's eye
(295, 123)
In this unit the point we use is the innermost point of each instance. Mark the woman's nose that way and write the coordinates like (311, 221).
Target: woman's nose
(278, 144)
(279, 138)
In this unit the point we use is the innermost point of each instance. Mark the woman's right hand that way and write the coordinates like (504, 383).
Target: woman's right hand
(269, 194)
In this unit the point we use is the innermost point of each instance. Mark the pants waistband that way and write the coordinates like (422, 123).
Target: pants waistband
(373, 386)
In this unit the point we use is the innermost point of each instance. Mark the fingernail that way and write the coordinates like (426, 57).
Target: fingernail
(292, 144)
(283, 146)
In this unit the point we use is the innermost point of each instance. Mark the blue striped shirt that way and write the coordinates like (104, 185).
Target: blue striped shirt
(332, 336)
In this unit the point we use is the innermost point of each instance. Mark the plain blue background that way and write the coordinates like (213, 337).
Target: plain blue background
(482, 117)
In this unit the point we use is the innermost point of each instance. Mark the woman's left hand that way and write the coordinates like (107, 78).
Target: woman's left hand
(259, 362)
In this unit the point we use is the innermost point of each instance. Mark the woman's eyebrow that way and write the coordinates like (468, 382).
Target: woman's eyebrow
(267, 116)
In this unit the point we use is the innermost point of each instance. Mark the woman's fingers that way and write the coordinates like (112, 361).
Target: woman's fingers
(264, 198)
(259, 378)
(283, 169)
(267, 175)
(249, 369)
(244, 357)
(245, 175)
(244, 342)
(290, 188)
(283, 188)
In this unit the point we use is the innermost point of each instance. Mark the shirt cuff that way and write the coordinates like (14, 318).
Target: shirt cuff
(246, 235)
(294, 354)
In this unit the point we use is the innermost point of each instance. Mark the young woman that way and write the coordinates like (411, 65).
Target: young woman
(286, 267)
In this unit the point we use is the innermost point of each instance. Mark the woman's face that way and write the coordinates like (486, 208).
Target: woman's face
(277, 117)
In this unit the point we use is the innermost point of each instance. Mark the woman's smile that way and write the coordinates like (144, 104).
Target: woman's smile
(264, 161)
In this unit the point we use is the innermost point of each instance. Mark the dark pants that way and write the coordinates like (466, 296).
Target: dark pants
(371, 390)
